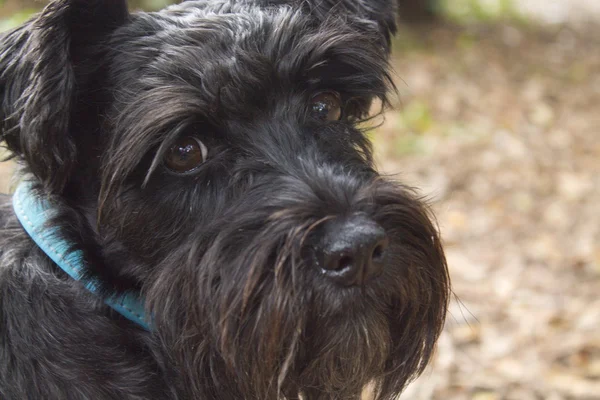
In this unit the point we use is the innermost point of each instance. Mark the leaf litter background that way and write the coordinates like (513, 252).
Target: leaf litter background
(497, 123)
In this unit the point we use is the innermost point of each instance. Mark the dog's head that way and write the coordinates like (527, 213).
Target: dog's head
(210, 155)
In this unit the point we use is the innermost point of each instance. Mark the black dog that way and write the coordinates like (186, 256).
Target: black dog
(207, 163)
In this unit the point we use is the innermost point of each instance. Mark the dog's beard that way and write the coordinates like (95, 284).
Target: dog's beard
(248, 305)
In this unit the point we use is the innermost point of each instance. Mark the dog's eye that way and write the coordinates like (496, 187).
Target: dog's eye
(185, 155)
(326, 106)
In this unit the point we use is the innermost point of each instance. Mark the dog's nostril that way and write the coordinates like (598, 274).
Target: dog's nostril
(344, 263)
(353, 250)
(377, 253)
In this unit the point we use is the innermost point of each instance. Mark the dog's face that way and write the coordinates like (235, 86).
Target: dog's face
(210, 156)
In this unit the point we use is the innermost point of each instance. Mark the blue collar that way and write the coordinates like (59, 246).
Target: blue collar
(33, 213)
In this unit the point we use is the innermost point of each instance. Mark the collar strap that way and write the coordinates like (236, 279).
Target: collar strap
(33, 213)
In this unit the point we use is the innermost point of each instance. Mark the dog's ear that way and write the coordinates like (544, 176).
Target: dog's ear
(42, 66)
(382, 12)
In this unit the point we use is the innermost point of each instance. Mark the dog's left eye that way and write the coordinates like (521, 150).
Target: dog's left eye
(326, 106)
(185, 155)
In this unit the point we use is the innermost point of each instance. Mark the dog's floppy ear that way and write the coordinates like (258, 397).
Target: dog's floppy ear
(41, 71)
(382, 12)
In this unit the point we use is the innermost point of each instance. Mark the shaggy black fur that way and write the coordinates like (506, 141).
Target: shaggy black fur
(91, 99)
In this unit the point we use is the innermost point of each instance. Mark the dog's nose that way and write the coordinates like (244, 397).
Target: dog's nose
(353, 250)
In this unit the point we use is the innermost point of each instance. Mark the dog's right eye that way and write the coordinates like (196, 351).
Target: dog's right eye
(326, 106)
(185, 155)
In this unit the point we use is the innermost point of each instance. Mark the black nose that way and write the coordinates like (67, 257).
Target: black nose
(353, 250)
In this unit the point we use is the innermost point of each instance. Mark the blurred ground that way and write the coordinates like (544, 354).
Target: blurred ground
(497, 123)
(499, 126)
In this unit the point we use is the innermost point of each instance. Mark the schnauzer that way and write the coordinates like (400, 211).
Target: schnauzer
(199, 216)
